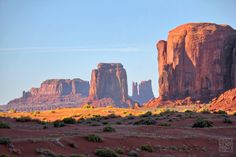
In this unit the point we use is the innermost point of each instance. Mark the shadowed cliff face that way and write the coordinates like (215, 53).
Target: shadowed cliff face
(142, 92)
(198, 60)
(109, 80)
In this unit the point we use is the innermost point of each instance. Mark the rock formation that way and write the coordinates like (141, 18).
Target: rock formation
(109, 80)
(198, 60)
(54, 91)
(226, 101)
(142, 92)
(135, 95)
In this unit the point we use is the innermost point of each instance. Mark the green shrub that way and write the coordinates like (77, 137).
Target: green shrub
(94, 138)
(69, 120)
(105, 152)
(4, 125)
(220, 112)
(227, 120)
(147, 121)
(58, 124)
(23, 119)
(201, 123)
(3, 155)
(147, 114)
(108, 129)
(147, 147)
(5, 140)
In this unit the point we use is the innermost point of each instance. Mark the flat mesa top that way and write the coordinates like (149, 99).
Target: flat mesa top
(109, 65)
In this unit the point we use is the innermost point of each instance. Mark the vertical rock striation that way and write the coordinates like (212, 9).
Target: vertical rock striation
(198, 60)
(109, 80)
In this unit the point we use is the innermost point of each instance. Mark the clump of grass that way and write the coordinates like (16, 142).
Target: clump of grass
(12, 110)
(164, 124)
(227, 120)
(220, 112)
(109, 129)
(130, 117)
(4, 125)
(36, 112)
(95, 124)
(47, 152)
(105, 123)
(87, 106)
(119, 150)
(58, 124)
(113, 116)
(118, 122)
(147, 147)
(5, 140)
(96, 118)
(147, 121)
(3, 155)
(147, 114)
(133, 153)
(72, 145)
(69, 120)
(94, 138)
(105, 152)
(188, 111)
(53, 111)
(202, 123)
(205, 111)
(23, 119)
(167, 112)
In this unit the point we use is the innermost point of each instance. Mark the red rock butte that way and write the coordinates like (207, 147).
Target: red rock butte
(198, 60)
(51, 93)
(109, 80)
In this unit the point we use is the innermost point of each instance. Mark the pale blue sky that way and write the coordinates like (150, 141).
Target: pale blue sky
(43, 39)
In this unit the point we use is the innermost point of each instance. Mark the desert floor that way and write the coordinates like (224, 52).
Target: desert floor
(167, 133)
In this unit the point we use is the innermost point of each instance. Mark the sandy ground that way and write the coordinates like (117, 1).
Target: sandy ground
(177, 139)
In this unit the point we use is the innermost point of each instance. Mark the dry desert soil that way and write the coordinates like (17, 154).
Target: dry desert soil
(140, 132)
